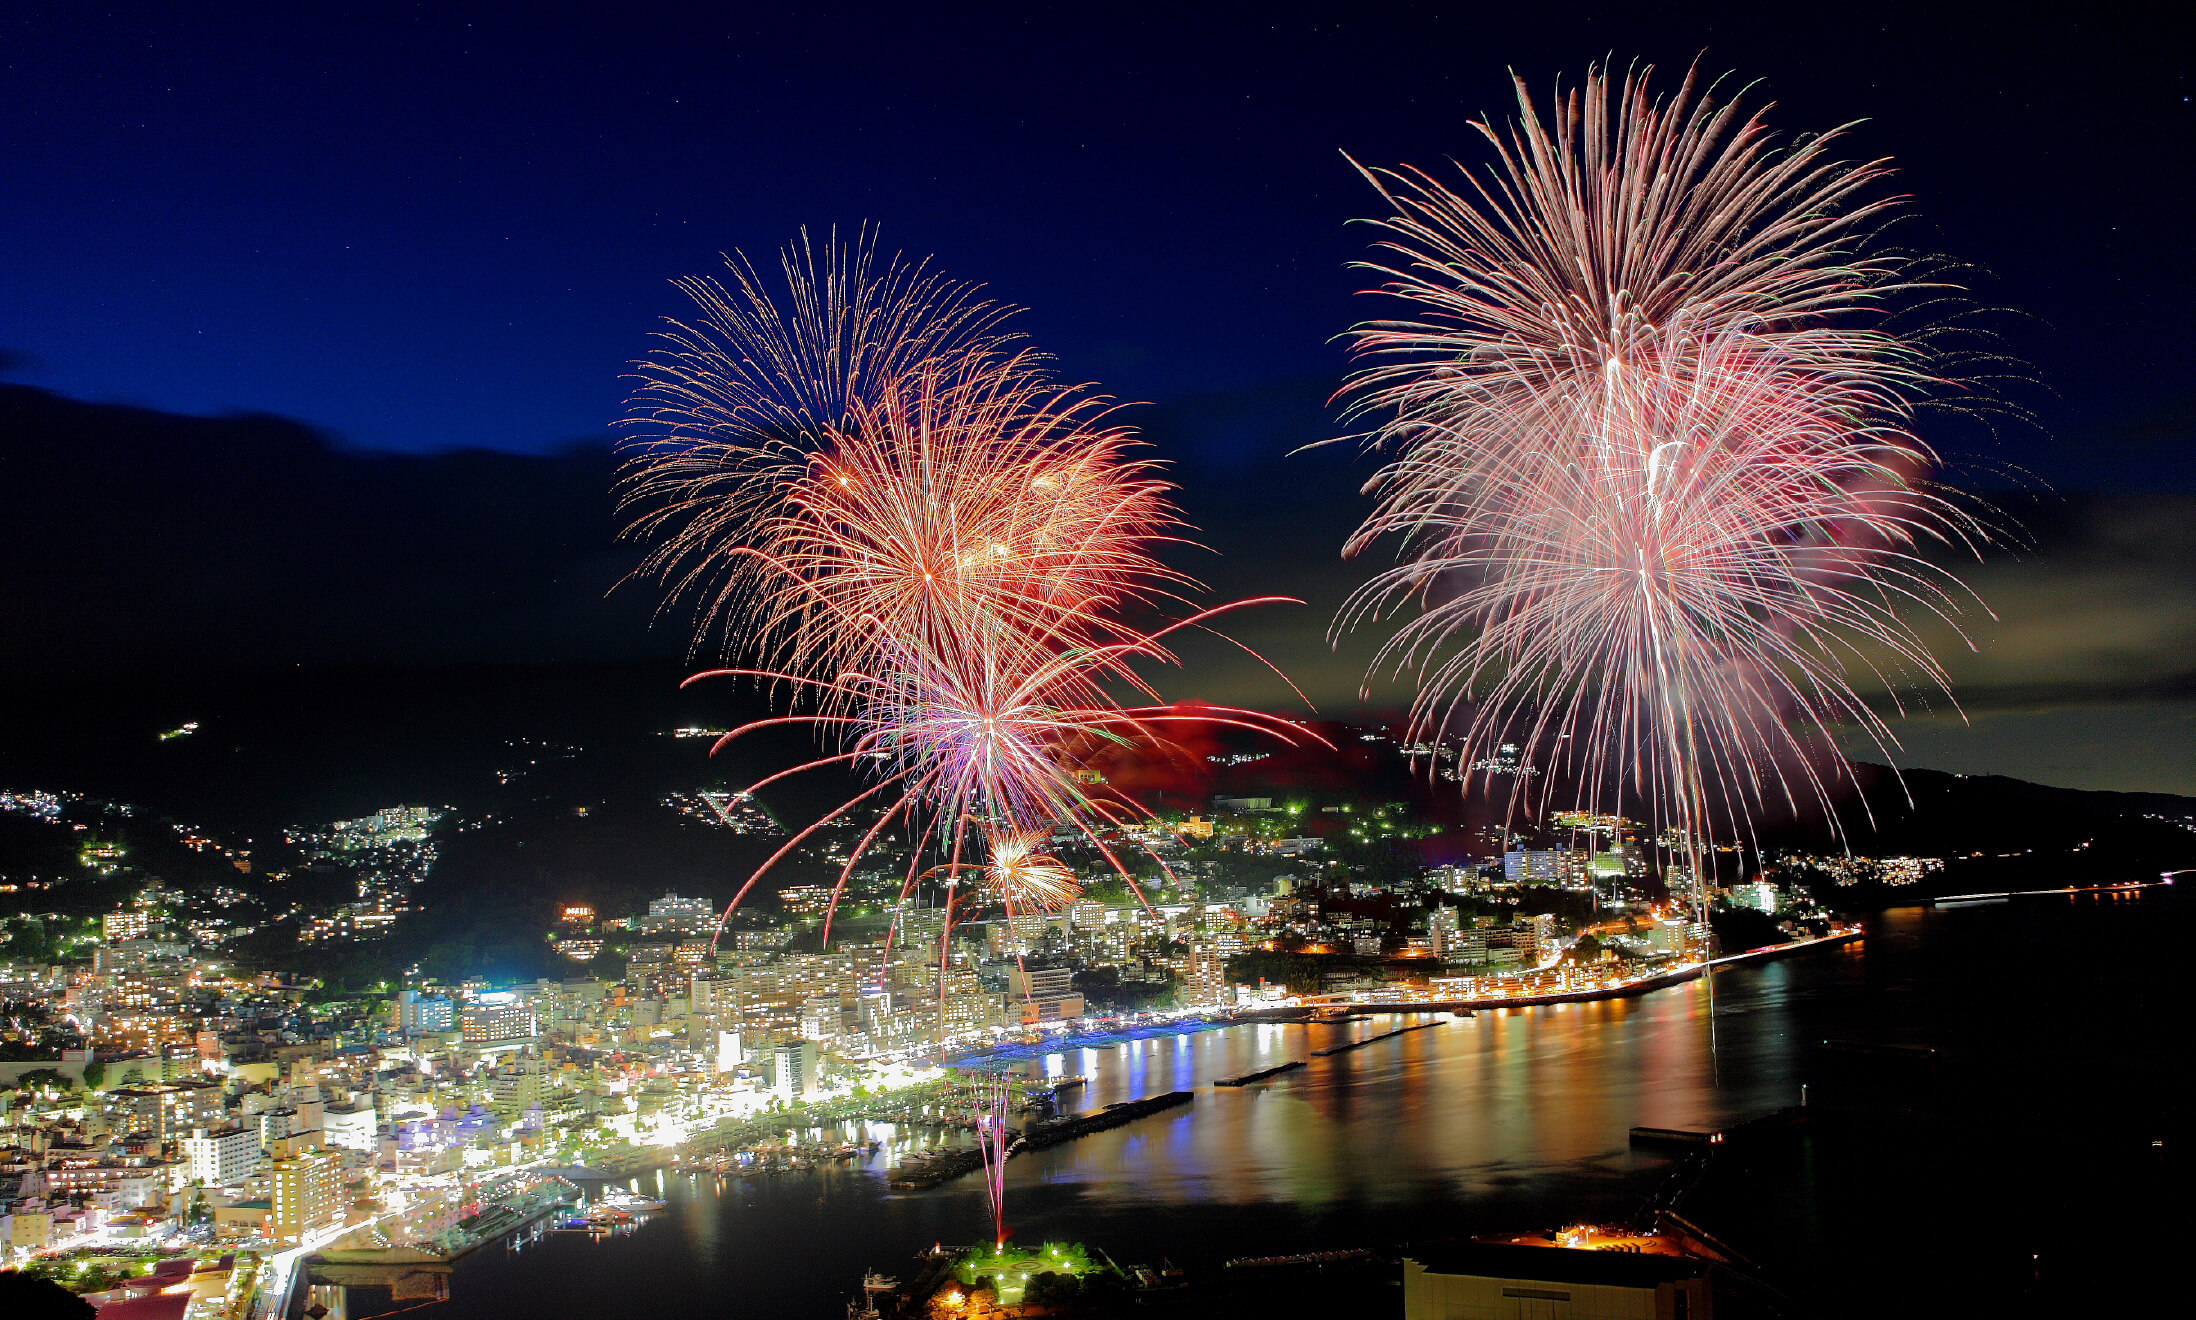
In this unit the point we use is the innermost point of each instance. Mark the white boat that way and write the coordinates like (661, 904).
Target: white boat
(630, 1203)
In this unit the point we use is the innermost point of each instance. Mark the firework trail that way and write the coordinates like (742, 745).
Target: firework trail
(1653, 473)
(993, 1103)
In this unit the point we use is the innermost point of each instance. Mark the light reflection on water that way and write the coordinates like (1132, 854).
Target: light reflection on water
(1508, 1120)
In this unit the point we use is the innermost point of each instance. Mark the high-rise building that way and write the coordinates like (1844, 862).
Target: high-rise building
(1546, 866)
(1442, 929)
(275, 1124)
(517, 1088)
(305, 1190)
(707, 996)
(353, 1126)
(494, 1018)
(1019, 932)
(419, 1014)
(796, 1069)
(220, 1157)
(729, 1054)
(1531, 937)
(806, 902)
(1042, 994)
(825, 1018)
(1760, 896)
(169, 1109)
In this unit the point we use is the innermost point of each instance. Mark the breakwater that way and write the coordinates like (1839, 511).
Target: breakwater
(1058, 1130)
(932, 1168)
(1259, 1076)
(1347, 1046)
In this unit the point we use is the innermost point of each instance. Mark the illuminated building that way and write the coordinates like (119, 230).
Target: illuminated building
(219, 1158)
(304, 1194)
(1487, 1279)
(497, 1018)
(806, 902)
(517, 1088)
(1042, 994)
(125, 926)
(1020, 932)
(353, 1127)
(796, 1068)
(580, 950)
(1761, 896)
(169, 1109)
(1545, 866)
(826, 1018)
(390, 825)
(419, 1014)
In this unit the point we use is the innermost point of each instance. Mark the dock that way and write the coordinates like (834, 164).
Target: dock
(1261, 1075)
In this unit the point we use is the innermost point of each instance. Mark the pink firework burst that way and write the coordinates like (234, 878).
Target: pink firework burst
(1653, 470)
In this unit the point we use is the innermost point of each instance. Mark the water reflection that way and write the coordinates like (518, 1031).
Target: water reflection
(1500, 1121)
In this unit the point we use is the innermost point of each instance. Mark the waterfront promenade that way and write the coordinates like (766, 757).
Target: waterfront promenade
(1570, 986)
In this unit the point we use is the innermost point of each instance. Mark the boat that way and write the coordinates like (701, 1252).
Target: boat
(631, 1203)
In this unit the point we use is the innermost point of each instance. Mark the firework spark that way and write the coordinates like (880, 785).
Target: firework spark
(736, 403)
(1654, 476)
(935, 553)
(962, 511)
(1024, 878)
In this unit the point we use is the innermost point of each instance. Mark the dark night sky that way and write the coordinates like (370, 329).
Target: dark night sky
(442, 228)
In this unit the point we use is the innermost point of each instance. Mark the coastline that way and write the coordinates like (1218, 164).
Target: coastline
(1623, 990)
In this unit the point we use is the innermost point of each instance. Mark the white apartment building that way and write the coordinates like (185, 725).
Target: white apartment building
(219, 1158)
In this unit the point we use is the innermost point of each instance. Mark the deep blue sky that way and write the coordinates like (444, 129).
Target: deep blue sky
(450, 225)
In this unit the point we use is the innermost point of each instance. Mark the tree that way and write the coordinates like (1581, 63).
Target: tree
(45, 1079)
(23, 1297)
(1740, 929)
(95, 1072)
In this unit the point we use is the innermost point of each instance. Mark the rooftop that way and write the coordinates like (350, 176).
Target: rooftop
(1552, 1264)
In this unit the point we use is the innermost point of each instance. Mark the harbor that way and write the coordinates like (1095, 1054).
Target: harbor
(1438, 1133)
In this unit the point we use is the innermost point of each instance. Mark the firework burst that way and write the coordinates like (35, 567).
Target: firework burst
(960, 512)
(1653, 472)
(737, 402)
(1025, 878)
(937, 555)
